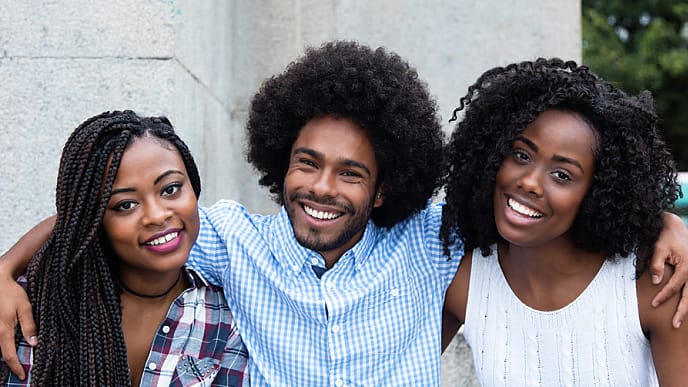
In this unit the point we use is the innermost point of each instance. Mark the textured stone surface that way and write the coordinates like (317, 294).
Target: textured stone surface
(457, 365)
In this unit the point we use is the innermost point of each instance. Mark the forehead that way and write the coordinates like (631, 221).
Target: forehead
(563, 132)
(148, 156)
(336, 138)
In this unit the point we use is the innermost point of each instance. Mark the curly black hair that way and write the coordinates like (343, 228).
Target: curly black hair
(378, 91)
(634, 179)
(72, 281)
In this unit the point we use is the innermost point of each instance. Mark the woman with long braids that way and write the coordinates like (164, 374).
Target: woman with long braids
(558, 181)
(113, 301)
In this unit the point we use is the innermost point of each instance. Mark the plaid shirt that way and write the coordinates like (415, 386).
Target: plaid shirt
(196, 345)
(373, 319)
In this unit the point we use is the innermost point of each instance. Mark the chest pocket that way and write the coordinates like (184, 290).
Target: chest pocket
(191, 371)
(389, 319)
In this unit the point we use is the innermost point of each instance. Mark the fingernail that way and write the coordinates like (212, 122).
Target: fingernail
(678, 323)
(33, 340)
(655, 279)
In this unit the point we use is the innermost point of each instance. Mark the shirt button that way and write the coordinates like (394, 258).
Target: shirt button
(329, 285)
(165, 329)
(314, 261)
(394, 292)
(339, 382)
(152, 366)
(335, 328)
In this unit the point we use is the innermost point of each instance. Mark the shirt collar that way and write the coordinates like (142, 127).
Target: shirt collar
(196, 280)
(293, 256)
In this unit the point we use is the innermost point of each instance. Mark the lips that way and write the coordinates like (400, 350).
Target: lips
(522, 209)
(321, 215)
(164, 242)
(163, 239)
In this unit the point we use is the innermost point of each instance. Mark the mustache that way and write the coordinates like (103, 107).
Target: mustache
(326, 201)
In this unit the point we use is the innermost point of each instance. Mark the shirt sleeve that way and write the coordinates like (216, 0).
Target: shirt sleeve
(446, 265)
(234, 362)
(209, 254)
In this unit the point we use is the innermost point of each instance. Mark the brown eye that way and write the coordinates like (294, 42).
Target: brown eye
(520, 156)
(171, 189)
(561, 175)
(124, 205)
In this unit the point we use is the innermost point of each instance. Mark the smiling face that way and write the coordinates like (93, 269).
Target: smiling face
(542, 182)
(330, 187)
(151, 218)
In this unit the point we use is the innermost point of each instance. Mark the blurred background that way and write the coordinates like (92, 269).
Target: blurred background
(200, 61)
(640, 45)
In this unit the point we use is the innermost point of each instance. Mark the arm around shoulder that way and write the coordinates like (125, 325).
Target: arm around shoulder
(669, 344)
(14, 303)
(671, 248)
(15, 260)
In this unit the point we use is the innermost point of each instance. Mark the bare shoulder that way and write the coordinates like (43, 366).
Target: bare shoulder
(669, 345)
(457, 294)
(646, 291)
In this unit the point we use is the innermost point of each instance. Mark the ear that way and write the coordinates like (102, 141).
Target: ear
(379, 196)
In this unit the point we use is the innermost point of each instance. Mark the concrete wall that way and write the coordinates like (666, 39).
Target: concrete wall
(200, 61)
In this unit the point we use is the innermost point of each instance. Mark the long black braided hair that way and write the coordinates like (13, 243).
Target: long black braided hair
(72, 280)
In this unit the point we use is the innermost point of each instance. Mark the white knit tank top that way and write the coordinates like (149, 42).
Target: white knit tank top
(596, 340)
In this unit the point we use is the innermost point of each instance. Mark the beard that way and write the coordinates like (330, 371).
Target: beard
(316, 238)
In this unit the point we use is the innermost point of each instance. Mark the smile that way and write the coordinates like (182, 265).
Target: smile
(163, 239)
(523, 210)
(321, 215)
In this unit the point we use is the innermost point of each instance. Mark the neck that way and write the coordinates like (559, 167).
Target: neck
(560, 258)
(548, 267)
(331, 257)
(158, 292)
(548, 279)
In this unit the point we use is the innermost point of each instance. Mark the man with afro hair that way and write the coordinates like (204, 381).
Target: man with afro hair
(345, 285)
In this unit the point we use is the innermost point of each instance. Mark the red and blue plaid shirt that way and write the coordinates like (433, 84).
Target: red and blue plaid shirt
(197, 344)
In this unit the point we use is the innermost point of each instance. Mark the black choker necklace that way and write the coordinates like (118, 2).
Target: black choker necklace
(153, 295)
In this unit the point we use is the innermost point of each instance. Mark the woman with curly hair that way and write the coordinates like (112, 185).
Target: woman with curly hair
(114, 303)
(345, 285)
(554, 288)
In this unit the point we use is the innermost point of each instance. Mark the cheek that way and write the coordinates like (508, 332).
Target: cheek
(120, 232)
(289, 182)
(193, 223)
(114, 228)
(503, 174)
(571, 203)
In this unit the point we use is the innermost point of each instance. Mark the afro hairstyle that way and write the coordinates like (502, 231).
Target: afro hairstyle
(375, 89)
(634, 179)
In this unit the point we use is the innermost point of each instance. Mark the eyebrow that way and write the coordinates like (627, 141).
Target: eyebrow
(319, 156)
(559, 158)
(157, 180)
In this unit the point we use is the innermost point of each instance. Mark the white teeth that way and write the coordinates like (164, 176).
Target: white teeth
(523, 210)
(163, 239)
(320, 214)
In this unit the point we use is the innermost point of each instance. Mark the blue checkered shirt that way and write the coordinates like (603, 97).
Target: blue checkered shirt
(373, 319)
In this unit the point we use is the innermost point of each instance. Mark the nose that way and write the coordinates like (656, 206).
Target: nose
(324, 184)
(155, 212)
(531, 182)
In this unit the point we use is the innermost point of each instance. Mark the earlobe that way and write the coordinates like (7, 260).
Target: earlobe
(379, 199)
